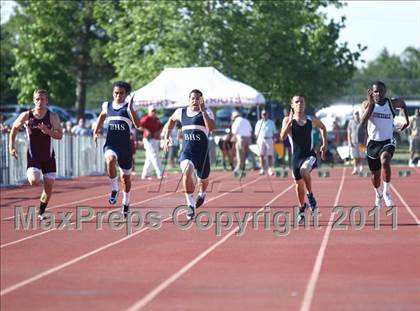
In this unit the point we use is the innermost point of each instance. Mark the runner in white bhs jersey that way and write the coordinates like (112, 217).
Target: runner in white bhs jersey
(379, 112)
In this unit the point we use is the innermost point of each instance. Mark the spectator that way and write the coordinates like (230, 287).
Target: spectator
(151, 127)
(265, 129)
(415, 139)
(226, 146)
(241, 128)
(81, 129)
(3, 127)
(356, 136)
(67, 126)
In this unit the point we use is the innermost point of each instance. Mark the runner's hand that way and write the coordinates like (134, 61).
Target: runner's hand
(13, 152)
(405, 125)
(201, 105)
(95, 139)
(370, 97)
(166, 143)
(323, 150)
(44, 129)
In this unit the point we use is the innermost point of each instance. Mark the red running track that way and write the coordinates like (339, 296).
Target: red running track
(272, 265)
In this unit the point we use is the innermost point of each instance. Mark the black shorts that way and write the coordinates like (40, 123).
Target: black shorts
(46, 165)
(374, 151)
(298, 162)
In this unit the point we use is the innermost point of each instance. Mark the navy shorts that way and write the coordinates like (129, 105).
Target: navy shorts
(124, 158)
(202, 165)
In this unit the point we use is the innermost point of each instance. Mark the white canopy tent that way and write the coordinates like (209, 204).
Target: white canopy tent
(171, 89)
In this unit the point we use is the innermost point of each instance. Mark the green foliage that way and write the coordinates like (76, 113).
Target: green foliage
(7, 43)
(42, 56)
(279, 47)
(401, 74)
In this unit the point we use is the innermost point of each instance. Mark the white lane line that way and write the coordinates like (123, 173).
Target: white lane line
(107, 213)
(409, 210)
(310, 287)
(86, 199)
(165, 284)
(106, 246)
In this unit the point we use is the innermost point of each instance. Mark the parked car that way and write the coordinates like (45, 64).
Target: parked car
(9, 110)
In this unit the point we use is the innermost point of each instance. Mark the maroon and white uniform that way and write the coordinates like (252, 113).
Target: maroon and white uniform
(40, 151)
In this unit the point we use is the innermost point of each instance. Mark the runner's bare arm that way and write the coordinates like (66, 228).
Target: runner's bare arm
(286, 125)
(167, 131)
(400, 104)
(133, 114)
(367, 107)
(98, 125)
(209, 122)
(20, 121)
(323, 130)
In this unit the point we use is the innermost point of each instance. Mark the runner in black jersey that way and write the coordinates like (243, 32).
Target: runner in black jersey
(41, 125)
(298, 127)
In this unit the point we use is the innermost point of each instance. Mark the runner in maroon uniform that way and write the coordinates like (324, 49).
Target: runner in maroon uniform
(41, 124)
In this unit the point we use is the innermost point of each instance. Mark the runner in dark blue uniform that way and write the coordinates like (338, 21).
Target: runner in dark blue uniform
(298, 127)
(41, 125)
(197, 122)
(117, 148)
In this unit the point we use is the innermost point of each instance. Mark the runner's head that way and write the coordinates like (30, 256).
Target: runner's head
(120, 91)
(379, 91)
(194, 100)
(40, 98)
(298, 103)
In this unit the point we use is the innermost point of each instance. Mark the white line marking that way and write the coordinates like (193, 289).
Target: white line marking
(162, 286)
(87, 199)
(410, 211)
(310, 288)
(107, 213)
(86, 255)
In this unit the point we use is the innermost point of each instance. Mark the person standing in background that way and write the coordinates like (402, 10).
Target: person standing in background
(151, 127)
(356, 138)
(265, 129)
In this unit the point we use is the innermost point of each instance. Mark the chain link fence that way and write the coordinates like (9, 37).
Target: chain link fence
(75, 156)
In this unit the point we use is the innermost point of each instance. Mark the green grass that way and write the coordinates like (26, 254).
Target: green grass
(401, 157)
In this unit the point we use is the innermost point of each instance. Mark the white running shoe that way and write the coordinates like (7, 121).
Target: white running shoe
(262, 172)
(378, 201)
(270, 171)
(354, 171)
(388, 199)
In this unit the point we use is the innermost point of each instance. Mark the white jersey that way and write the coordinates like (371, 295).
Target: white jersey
(380, 125)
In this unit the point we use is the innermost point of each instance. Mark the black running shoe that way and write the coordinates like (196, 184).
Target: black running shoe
(113, 197)
(126, 210)
(199, 201)
(312, 202)
(41, 212)
(301, 215)
(190, 212)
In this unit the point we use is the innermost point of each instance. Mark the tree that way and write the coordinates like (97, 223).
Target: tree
(401, 74)
(56, 50)
(279, 47)
(8, 43)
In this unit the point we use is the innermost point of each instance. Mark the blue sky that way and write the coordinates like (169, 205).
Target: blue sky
(376, 24)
